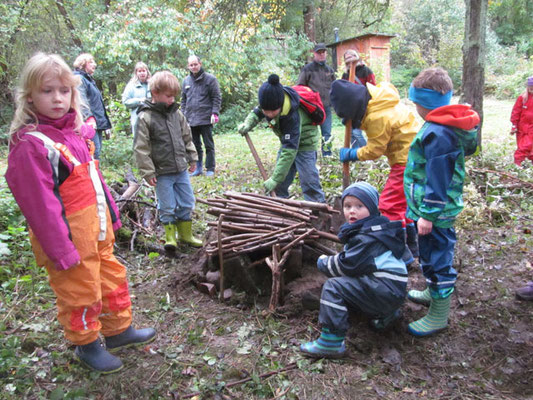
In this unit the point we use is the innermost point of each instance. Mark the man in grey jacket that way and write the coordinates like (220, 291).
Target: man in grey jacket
(319, 76)
(200, 102)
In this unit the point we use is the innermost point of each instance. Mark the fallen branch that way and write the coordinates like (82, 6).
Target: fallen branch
(503, 173)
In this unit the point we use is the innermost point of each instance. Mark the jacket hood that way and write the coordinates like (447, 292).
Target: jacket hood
(385, 95)
(460, 116)
(390, 234)
(160, 108)
(349, 100)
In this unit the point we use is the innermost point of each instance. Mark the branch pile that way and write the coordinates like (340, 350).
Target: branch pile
(249, 222)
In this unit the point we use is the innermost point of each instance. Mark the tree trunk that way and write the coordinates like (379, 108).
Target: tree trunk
(474, 56)
(62, 10)
(309, 21)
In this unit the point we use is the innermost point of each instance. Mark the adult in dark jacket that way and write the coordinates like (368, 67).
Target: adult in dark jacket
(93, 109)
(319, 76)
(200, 102)
(280, 106)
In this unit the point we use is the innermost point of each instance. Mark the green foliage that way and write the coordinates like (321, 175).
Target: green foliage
(511, 21)
(507, 70)
(241, 59)
(9, 212)
(430, 33)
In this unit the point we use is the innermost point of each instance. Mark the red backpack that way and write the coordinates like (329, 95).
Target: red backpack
(312, 104)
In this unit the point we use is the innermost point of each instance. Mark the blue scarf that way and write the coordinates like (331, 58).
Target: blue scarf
(429, 98)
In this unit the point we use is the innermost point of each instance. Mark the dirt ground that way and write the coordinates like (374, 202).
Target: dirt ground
(485, 354)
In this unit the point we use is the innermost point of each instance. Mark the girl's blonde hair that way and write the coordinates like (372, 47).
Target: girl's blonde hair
(81, 61)
(138, 66)
(31, 79)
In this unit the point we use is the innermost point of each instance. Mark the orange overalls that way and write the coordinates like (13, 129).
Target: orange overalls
(93, 295)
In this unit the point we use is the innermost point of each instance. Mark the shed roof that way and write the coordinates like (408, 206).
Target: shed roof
(360, 37)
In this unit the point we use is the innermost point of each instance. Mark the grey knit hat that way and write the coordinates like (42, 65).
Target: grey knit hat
(365, 192)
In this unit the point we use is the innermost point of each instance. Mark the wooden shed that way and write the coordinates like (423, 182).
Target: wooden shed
(374, 49)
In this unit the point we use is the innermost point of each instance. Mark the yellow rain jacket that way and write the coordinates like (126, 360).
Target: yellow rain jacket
(389, 125)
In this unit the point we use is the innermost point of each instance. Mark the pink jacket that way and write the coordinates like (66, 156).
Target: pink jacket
(35, 187)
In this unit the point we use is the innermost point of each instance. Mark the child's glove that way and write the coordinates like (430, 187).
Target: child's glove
(107, 134)
(270, 184)
(249, 123)
(513, 130)
(347, 154)
(214, 119)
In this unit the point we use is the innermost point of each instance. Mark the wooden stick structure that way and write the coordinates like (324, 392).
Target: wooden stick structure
(249, 223)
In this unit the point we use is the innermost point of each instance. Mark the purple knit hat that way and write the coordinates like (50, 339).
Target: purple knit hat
(530, 81)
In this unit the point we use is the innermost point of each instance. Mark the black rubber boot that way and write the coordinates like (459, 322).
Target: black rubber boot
(95, 357)
(130, 336)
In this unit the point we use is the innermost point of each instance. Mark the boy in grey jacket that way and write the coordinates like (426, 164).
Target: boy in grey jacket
(165, 154)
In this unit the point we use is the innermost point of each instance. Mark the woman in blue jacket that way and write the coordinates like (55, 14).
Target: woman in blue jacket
(137, 91)
(93, 108)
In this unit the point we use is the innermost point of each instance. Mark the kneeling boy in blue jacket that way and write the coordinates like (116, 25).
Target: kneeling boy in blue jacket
(368, 276)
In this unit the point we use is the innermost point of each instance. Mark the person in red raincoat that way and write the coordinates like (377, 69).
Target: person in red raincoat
(522, 120)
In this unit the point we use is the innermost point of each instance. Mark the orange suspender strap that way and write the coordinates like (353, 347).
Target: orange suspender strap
(66, 153)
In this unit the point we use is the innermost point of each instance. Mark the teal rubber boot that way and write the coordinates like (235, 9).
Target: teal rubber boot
(420, 296)
(328, 345)
(436, 319)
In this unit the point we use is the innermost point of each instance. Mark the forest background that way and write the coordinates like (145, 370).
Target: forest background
(206, 349)
(242, 42)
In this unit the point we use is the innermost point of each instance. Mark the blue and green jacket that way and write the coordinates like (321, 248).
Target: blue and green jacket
(435, 170)
(295, 131)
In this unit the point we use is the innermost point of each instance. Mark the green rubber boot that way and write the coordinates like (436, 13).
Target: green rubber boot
(420, 296)
(436, 319)
(185, 234)
(170, 237)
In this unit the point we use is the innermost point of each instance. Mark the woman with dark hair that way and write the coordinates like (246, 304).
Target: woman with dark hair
(93, 108)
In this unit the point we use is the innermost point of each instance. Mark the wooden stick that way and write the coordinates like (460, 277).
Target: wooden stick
(221, 257)
(299, 203)
(280, 231)
(265, 201)
(275, 268)
(298, 239)
(257, 160)
(277, 210)
(347, 138)
(322, 248)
